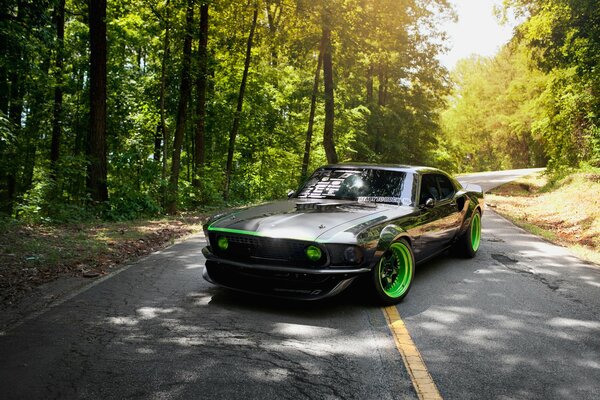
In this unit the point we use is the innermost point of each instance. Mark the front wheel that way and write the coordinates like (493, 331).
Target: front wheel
(393, 274)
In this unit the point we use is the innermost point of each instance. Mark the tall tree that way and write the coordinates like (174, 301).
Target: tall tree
(59, 22)
(96, 140)
(328, 141)
(311, 117)
(15, 97)
(201, 83)
(240, 103)
(184, 95)
(274, 10)
(166, 48)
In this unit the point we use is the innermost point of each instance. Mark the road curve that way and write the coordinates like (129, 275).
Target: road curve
(490, 180)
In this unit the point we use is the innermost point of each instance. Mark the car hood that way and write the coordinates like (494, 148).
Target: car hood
(311, 220)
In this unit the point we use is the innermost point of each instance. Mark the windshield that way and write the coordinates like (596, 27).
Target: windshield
(363, 185)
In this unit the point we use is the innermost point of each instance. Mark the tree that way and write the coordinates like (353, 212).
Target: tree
(96, 140)
(328, 141)
(238, 112)
(163, 87)
(201, 84)
(184, 95)
(59, 21)
(311, 117)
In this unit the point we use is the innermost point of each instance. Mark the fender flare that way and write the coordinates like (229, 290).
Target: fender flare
(388, 235)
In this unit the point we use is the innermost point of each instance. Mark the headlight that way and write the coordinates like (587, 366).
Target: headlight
(223, 243)
(313, 253)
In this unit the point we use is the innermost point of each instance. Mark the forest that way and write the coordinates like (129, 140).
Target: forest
(118, 109)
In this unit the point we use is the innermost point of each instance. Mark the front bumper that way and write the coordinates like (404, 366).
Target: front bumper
(278, 281)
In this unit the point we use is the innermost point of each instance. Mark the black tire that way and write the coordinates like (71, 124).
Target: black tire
(393, 274)
(469, 242)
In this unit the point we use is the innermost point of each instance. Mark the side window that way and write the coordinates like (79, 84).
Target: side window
(429, 189)
(446, 187)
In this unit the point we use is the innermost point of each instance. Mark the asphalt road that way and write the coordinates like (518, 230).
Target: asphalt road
(520, 321)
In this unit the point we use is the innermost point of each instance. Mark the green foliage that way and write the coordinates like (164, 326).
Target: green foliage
(492, 118)
(45, 201)
(563, 38)
(7, 140)
(535, 103)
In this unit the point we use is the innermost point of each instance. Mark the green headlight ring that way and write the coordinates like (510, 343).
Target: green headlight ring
(313, 253)
(223, 243)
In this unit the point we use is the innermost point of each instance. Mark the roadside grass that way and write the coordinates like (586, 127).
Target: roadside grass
(33, 254)
(564, 210)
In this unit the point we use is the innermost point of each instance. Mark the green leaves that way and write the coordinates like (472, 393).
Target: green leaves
(536, 101)
(388, 90)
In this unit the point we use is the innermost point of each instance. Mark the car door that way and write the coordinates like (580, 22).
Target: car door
(436, 225)
(449, 212)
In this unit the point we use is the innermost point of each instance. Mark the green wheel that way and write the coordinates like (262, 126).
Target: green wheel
(468, 244)
(393, 274)
(475, 232)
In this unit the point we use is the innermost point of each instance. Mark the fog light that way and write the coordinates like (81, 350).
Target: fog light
(352, 255)
(223, 243)
(313, 253)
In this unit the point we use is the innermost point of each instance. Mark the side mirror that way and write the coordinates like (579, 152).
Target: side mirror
(290, 193)
(430, 202)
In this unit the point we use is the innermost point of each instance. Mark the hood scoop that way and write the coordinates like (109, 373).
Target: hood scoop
(315, 205)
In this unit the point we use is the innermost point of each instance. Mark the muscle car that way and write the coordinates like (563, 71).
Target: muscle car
(346, 222)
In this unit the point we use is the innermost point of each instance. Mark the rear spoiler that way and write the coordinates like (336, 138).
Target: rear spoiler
(471, 187)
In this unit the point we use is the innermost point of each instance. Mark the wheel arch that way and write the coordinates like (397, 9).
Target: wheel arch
(389, 234)
(473, 207)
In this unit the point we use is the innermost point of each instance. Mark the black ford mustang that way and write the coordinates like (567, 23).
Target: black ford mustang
(347, 221)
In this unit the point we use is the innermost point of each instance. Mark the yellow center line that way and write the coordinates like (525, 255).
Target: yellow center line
(419, 375)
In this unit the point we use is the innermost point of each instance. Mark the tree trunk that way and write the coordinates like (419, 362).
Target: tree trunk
(15, 111)
(201, 80)
(238, 112)
(163, 85)
(12, 106)
(311, 116)
(3, 76)
(184, 95)
(59, 20)
(370, 85)
(96, 143)
(328, 142)
(273, 17)
(15, 107)
(382, 86)
(157, 143)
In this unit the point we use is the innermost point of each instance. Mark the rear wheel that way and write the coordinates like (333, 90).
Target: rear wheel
(469, 242)
(393, 274)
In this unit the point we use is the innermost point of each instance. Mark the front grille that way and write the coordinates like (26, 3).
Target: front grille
(263, 250)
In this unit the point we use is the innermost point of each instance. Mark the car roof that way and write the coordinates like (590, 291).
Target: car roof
(390, 167)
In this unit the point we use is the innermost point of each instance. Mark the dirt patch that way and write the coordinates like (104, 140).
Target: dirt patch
(566, 212)
(33, 255)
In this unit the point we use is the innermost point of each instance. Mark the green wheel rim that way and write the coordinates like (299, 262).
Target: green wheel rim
(475, 231)
(396, 270)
